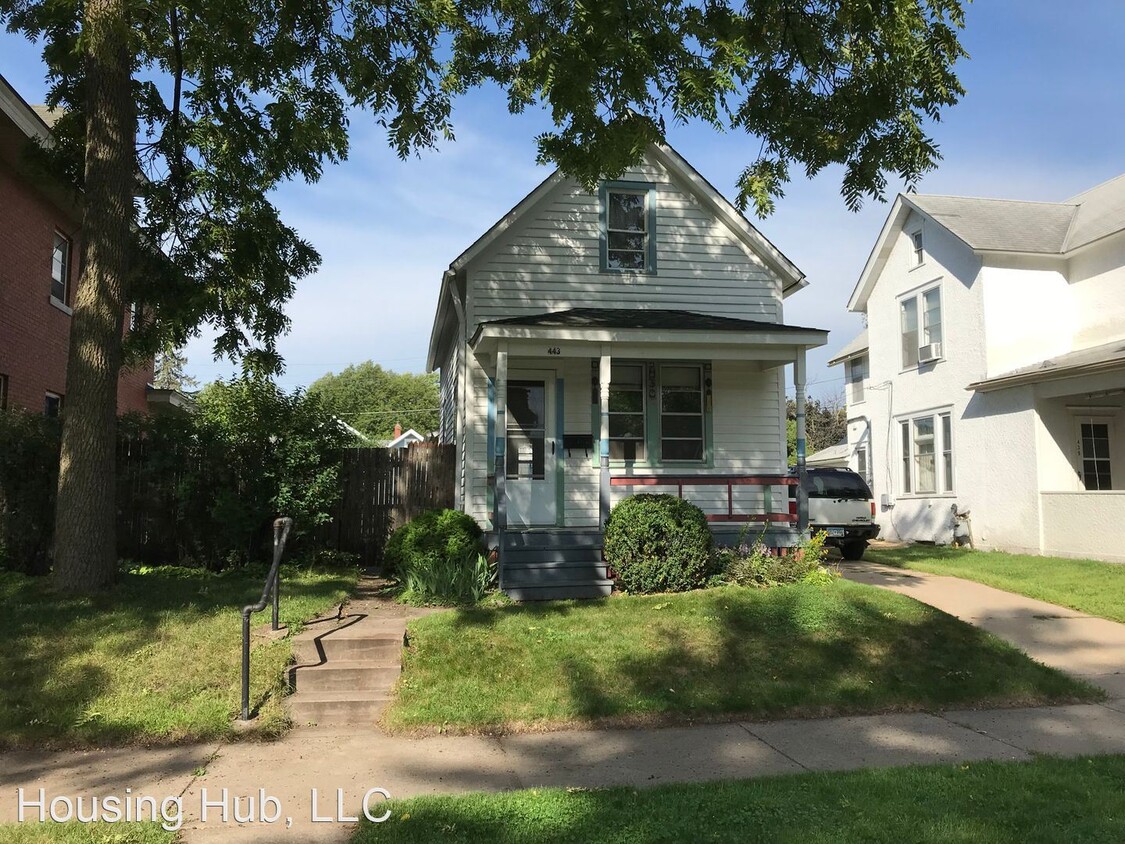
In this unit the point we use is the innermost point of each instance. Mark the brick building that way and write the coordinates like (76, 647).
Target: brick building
(40, 247)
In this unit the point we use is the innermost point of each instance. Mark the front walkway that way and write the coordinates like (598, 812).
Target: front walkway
(1090, 647)
(358, 759)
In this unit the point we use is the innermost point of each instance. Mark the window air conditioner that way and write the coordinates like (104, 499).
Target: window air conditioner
(929, 352)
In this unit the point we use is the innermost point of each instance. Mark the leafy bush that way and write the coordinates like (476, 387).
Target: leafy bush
(446, 534)
(761, 566)
(658, 543)
(437, 557)
(29, 466)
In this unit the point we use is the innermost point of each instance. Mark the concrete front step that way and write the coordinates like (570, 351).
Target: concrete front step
(346, 708)
(342, 675)
(351, 645)
(555, 591)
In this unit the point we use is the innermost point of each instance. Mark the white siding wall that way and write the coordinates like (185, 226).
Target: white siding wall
(549, 262)
(448, 386)
(476, 441)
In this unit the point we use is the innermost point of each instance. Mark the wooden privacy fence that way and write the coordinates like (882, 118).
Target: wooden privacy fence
(382, 489)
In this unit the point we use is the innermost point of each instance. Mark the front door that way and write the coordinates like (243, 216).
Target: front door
(529, 480)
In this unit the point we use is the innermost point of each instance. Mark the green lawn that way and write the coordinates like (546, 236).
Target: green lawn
(81, 833)
(1048, 800)
(155, 661)
(1084, 585)
(788, 651)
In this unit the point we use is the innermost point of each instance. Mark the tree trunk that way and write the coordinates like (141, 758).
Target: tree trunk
(85, 554)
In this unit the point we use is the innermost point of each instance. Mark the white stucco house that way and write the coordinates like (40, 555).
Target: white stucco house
(991, 375)
(594, 345)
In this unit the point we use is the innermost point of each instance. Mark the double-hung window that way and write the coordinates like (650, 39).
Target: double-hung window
(60, 269)
(627, 412)
(657, 412)
(629, 219)
(918, 247)
(927, 454)
(52, 405)
(856, 375)
(920, 327)
(681, 413)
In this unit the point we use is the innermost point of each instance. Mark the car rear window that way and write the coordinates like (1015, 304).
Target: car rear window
(836, 485)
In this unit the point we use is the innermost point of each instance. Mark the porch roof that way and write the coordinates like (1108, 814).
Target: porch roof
(648, 325)
(1107, 357)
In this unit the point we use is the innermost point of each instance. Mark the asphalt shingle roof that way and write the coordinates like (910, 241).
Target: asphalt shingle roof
(648, 319)
(1049, 228)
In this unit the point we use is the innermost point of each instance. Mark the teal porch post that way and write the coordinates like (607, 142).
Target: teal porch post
(802, 496)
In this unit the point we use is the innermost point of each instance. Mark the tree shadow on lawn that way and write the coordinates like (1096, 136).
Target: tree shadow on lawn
(60, 654)
(799, 651)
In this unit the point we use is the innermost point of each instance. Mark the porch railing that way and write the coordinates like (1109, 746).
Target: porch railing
(730, 482)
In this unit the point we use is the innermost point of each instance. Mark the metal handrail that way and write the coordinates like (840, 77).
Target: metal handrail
(280, 534)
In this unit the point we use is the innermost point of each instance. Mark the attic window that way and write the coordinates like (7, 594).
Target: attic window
(916, 242)
(629, 220)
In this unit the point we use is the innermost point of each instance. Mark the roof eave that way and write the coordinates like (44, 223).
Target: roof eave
(877, 258)
(1003, 382)
(808, 337)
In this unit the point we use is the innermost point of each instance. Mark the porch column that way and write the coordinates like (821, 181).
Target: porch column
(500, 503)
(604, 370)
(802, 497)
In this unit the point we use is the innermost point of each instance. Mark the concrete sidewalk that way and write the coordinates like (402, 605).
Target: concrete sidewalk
(353, 761)
(1090, 647)
(357, 760)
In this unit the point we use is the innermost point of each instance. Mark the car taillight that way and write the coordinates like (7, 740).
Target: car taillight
(873, 509)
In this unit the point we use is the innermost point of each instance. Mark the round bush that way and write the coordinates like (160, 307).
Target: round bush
(658, 543)
(431, 540)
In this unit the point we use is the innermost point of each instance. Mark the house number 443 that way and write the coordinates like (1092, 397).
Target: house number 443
(554, 350)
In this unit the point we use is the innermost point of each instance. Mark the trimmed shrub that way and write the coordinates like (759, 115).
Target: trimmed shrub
(760, 566)
(658, 543)
(432, 548)
(29, 471)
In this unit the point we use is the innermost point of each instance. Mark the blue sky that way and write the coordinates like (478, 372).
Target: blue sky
(1044, 118)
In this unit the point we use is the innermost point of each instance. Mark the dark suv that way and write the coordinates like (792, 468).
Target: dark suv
(840, 504)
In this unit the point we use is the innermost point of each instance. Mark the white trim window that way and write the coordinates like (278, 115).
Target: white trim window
(52, 405)
(627, 412)
(863, 463)
(60, 268)
(1095, 436)
(927, 454)
(925, 333)
(856, 371)
(681, 413)
(917, 245)
(627, 229)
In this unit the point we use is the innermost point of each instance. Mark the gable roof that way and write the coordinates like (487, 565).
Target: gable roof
(1053, 229)
(792, 278)
(855, 347)
(1000, 224)
(29, 119)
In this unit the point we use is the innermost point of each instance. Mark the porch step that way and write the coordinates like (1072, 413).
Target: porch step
(553, 539)
(563, 554)
(584, 589)
(339, 707)
(547, 575)
(342, 675)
